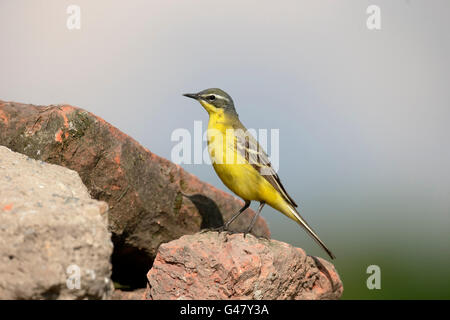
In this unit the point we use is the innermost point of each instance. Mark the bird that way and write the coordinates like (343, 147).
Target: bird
(242, 164)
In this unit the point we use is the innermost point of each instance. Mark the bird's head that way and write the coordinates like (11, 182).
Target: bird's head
(214, 100)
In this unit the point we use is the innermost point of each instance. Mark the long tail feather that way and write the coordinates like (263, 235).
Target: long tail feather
(311, 232)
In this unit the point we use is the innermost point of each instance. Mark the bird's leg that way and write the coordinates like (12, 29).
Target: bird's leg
(261, 205)
(227, 224)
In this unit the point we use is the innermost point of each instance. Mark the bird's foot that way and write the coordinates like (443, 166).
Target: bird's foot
(262, 237)
(247, 232)
(220, 229)
(256, 236)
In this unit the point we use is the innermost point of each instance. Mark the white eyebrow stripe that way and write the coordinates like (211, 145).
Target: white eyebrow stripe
(218, 96)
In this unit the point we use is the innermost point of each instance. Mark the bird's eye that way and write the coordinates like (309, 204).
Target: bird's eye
(212, 97)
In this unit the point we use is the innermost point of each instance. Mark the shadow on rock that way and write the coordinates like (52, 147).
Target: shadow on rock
(208, 209)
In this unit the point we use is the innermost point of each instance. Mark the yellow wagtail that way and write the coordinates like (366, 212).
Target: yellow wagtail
(240, 162)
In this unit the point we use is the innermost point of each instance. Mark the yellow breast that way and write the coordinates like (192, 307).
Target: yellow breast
(234, 171)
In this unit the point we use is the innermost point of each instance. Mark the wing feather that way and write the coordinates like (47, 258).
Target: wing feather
(248, 147)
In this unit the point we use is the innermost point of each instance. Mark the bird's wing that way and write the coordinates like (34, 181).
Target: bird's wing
(248, 147)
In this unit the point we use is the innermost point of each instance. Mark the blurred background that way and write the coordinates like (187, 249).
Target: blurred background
(363, 114)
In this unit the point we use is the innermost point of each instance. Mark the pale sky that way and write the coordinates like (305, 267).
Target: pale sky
(363, 114)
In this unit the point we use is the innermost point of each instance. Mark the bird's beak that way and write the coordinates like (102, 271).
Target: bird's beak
(191, 95)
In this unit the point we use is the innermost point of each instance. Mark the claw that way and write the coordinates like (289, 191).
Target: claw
(218, 229)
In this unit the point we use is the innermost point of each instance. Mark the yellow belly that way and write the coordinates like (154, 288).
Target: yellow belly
(242, 180)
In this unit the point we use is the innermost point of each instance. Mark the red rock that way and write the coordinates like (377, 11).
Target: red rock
(223, 266)
(151, 199)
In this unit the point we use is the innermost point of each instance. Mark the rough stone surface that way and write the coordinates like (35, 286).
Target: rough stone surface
(223, 266)
(50, 229)
(151, 200)
(137, 294)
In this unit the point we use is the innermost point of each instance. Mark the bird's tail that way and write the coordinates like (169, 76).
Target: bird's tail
(294, 215)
